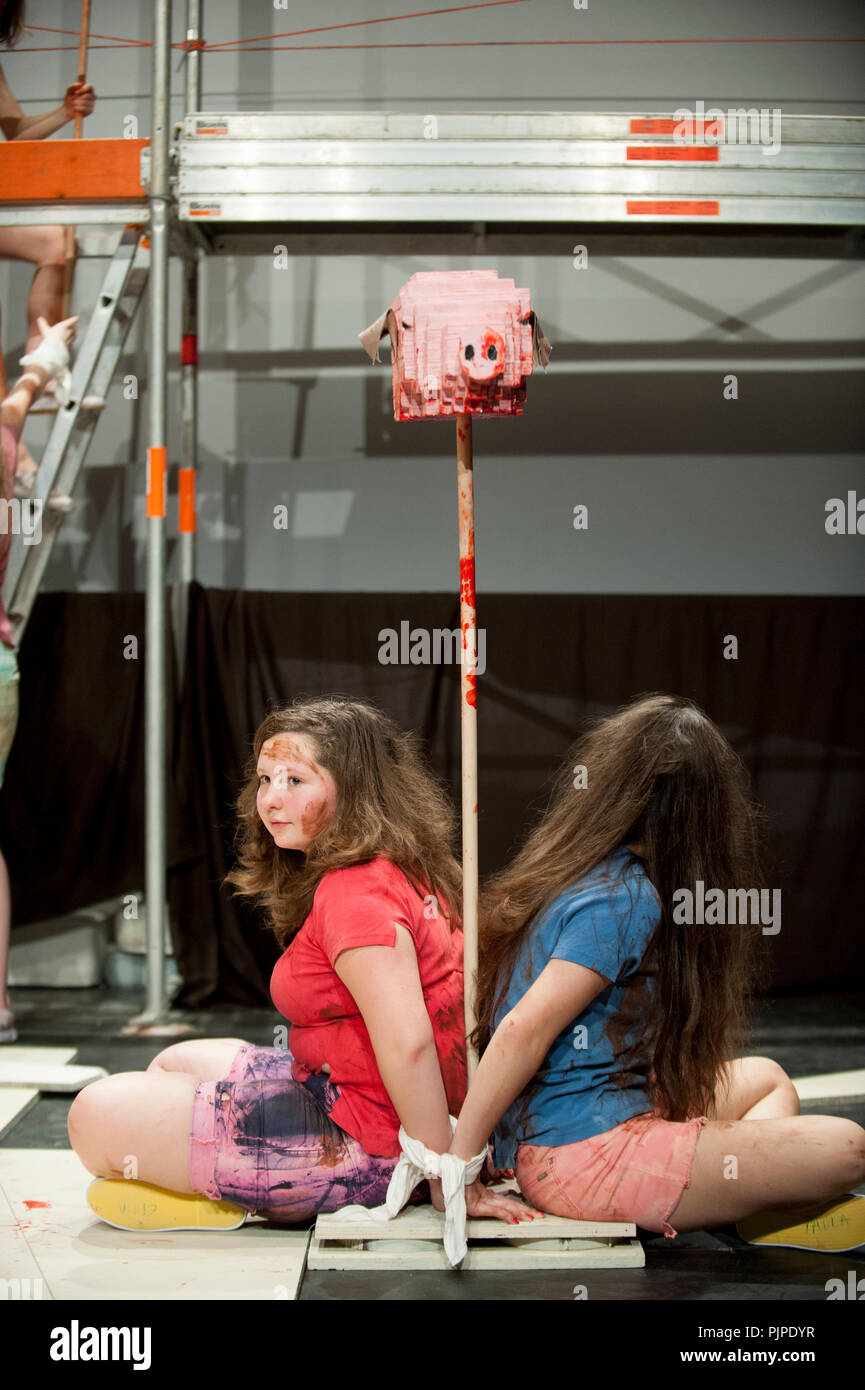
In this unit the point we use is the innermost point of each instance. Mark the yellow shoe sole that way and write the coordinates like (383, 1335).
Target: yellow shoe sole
(141, 1206)
(830, 1226)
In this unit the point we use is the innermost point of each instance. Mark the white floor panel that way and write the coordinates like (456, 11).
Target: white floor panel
(80, 1257)
(831, 1085)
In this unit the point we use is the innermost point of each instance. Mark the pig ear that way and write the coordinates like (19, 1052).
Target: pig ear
(382, 328)
(542, 346)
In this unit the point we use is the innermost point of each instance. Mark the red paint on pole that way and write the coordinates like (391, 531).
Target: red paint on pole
(189, 350)
(467, 581)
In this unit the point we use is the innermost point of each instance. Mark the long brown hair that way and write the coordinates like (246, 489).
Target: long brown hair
(662, 775)
(389, 805)
(11, 22)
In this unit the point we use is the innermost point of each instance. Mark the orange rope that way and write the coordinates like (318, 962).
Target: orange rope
(356, 23)
(237, 45)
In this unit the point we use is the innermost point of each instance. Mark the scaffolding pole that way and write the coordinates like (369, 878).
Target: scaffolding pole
(155, 664)
(188, 377)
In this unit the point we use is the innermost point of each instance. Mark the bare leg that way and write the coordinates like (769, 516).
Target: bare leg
(138, 1124)
(753, 1088)
(45, 248)
(208, 1059)
(135, 1125)
(744, 1167)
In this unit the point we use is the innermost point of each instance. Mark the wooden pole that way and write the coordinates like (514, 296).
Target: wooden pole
(69, 263)
(468, 725)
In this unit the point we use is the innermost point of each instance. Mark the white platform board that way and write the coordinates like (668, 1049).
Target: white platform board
(19, 1097)
(43, 1076)
(830, 1085)
(413, 1240)
(77, 1256)
(15, 1101)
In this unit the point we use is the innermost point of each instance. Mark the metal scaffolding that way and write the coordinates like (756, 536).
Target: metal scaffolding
(378, 181)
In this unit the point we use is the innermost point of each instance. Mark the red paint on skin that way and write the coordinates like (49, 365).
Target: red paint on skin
(313, 818)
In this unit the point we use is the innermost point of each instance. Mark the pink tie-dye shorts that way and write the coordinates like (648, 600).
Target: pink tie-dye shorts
(265, 1141)
(635, 1172)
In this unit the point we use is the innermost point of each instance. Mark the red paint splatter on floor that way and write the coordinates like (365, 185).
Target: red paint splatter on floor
(37, 1204)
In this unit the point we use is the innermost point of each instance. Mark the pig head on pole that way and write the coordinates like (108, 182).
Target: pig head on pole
(462, 343)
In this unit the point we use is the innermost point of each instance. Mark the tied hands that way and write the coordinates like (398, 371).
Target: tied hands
(481, 1202)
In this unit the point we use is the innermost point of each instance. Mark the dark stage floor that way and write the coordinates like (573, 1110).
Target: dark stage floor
(807, 1036)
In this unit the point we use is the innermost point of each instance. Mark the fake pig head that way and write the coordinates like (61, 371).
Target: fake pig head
(462, 342)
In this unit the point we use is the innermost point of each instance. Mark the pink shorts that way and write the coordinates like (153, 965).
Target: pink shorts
(635, 1172)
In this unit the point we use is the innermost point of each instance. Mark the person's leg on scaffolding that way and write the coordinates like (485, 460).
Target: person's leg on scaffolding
(44, 247)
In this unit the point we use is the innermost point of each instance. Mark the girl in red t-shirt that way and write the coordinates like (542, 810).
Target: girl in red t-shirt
(343, 838)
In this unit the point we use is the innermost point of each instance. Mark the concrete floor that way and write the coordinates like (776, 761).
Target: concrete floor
(807, 1036)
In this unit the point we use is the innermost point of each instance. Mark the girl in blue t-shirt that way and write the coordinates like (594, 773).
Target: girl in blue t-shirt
(616, 955)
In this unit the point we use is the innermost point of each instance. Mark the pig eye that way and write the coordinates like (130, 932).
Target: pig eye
(469, 353)
(492, 353)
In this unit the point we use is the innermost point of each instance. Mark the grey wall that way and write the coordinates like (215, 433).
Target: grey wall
(686, 492)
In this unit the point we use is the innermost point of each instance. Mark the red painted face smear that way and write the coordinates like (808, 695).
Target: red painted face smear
(315, 816)
(285, 748)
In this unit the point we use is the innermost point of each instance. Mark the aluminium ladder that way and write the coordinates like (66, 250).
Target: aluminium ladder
(92, 373)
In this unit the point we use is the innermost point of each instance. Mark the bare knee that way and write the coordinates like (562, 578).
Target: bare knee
(770, 1079)
(194, 1056)
(88, 1118)
(53, 246)
(777, 1080)
(848, 1141)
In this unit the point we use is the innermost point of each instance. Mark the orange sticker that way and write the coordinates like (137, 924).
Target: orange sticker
(156, 481)
(667, 125)
(705, 209)
(701, 153)
(186, 499)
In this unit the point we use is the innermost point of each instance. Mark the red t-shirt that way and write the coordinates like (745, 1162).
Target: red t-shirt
(358, 906)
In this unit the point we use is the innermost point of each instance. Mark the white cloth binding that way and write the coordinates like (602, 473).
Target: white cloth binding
(53, 355)
(417, 1162)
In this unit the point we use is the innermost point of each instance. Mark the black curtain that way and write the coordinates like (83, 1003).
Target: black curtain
(72, 807)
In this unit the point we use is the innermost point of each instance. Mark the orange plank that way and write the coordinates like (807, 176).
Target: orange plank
(78, 171)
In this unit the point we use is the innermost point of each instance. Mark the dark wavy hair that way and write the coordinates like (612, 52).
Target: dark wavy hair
(11, 22)
(660, 775)
(389, 805)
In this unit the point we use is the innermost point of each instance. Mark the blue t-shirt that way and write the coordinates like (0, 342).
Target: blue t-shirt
(596, 1073)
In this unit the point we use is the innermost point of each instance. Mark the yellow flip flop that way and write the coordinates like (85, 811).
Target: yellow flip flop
(142, 1206)
(828, 1226)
